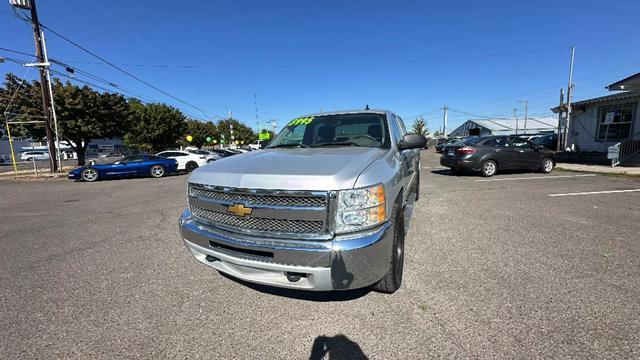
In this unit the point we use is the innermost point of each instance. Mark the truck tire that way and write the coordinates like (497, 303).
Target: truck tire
(391, 282)
(416, 186)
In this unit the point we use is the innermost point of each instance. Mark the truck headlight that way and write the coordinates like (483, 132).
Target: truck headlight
(359, 209)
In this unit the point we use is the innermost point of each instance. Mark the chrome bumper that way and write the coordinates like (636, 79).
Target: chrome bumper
(346, 262)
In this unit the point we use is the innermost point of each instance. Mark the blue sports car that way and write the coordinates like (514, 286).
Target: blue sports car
(130, 166)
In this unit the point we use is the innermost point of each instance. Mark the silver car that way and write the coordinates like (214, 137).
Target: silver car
(323, 207)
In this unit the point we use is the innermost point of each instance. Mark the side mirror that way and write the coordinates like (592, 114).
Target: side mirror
(412, 141)
(538, 147)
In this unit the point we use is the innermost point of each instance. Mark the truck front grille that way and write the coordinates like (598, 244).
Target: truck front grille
(254, 199)
(261, 224)
(270, 213)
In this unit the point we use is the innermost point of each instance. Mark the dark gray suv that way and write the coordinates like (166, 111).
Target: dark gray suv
(492, 153)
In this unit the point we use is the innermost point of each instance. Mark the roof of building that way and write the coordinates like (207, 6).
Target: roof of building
(601, 99)
(630, 83)
(510, 124)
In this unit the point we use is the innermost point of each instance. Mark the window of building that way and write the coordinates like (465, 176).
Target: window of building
(614, 121)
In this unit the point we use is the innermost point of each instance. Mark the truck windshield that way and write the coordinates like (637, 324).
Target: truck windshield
(366, 130)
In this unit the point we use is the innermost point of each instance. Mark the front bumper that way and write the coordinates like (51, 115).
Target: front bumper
(346, 262)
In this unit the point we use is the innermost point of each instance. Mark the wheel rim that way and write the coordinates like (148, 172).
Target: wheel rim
(548, 165)
(157, 171)
(489, 168)
(89, 175)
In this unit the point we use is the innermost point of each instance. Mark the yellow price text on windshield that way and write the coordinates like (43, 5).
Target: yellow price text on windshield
(301, 121)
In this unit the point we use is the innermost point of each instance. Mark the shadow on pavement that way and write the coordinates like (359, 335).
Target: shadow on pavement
(469, 173)
(335, 347)
(319, 296)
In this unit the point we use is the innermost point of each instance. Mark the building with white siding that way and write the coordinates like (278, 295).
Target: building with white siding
(487, 127)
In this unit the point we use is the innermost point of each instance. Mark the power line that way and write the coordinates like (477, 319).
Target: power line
(510, 53)
(65, 38)
(123, 71)
(119, 89)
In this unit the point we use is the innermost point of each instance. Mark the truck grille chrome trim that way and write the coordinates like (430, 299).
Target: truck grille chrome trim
(262, 224)
(246, 197)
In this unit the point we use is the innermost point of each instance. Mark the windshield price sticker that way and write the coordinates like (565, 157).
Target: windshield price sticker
(301, 121)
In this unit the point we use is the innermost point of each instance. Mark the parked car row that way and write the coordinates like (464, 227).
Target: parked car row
(491, 154)
(158, 165)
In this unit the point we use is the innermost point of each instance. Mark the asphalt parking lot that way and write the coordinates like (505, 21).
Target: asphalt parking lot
(516, 266)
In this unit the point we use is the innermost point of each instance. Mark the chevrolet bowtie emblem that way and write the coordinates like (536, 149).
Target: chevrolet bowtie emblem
(239, 210)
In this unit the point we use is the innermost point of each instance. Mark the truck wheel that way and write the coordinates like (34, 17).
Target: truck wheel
(391, 282)
(191, 165)
(489, 168)
(416, 186)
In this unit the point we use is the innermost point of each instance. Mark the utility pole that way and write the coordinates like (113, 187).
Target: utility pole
(44, 80)
(444, 121)
(569, 88)
(526, 112)
(559, 142)
(231, 129)
(53, 104)
(255, 104)
(273, 125)
(515, 116)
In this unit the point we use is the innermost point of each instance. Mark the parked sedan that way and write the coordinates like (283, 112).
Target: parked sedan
(186, 160)
(493, 153)
(442, 144)
(211, 156)
(549, 141)
(129, 166)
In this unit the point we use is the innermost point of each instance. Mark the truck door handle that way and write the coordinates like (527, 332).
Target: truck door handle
(497, 150)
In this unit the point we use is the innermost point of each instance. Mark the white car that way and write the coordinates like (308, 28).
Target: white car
(186, 160)
(34, 155)
(211, 156)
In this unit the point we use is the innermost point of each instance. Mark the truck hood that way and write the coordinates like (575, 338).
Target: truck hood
(319, 169)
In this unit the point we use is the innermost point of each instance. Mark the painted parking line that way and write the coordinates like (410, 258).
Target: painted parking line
(596, 192)
(538, 177)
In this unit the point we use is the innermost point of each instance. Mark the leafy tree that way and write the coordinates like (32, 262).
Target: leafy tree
(154, 127)
(85, 114)
(199, 131)
(436, 133)
(241, 131)
(18, 96)
(420, 127)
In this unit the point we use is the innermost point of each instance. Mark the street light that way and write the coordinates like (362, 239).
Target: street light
(21, 4)
(526, 112)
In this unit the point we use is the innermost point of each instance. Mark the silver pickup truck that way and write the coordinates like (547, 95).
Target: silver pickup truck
(323, 207)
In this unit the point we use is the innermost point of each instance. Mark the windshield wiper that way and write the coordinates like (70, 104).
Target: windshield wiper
(338, 143)
(288, 146)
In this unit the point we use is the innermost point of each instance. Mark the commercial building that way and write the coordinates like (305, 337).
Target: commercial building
(610, 120)
(487, 127)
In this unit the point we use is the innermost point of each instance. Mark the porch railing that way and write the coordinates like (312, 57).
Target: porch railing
(627, 149)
